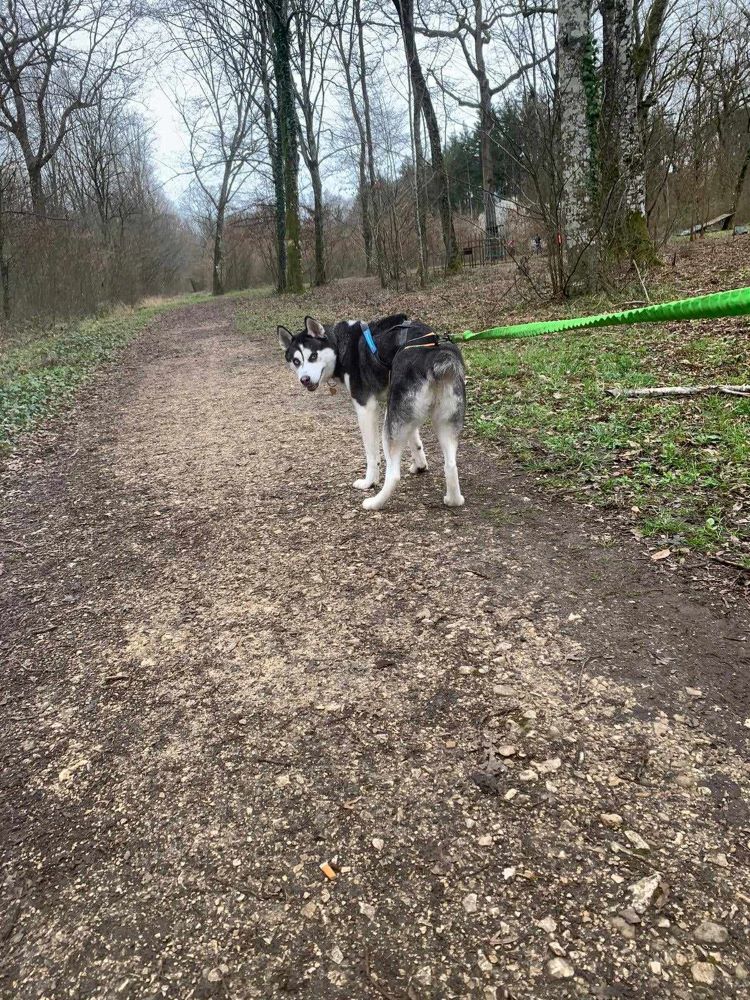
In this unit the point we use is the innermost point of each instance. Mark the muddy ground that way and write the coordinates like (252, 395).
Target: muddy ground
(219, 674)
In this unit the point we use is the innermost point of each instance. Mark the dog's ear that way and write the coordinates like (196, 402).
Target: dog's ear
(314, 328)
(285, 337)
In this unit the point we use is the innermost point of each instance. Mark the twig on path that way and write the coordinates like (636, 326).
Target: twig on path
(585, 663)
(679, 390)
(12, 541)
(732, 563)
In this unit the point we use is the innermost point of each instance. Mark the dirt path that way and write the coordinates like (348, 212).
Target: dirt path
(219, 673)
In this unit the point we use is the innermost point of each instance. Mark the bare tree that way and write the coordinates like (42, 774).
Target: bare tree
(476, 23)
(347, 23)
(288, 135)
(423, 102)
(56, 58)
(217, 41)
(313, 42)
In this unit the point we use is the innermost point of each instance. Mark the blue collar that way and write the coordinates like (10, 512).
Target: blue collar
(369, 339)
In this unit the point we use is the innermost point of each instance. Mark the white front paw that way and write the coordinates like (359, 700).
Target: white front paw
(362, 484)
(453, 501)
(372, 503)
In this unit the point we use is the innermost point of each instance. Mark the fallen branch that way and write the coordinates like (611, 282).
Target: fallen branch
(681, 390)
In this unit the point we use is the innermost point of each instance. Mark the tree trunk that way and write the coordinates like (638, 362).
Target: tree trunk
(320, 256)
(422, 96)
(310, 154)
(486, 154)
(217, 283)
(36, 190)
(574, 32)
(486, 125)
(289, 148)
(277, 164)
(634, 236)
(374, 204)
(419, 190)
(5, 279)
(273, 137)
(744, 167)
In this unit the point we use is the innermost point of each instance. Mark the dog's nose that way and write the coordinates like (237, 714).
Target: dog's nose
(305, 380)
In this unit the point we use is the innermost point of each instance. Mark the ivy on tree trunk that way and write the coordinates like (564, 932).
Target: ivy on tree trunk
(574, 45)
(289, 150)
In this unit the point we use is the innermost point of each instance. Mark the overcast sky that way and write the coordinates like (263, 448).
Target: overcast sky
(388, 82)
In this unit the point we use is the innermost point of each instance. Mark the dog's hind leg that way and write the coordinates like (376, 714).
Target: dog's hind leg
(395, 440)
(367, 417)
(448, 419)
(447, 435)
(419, 459)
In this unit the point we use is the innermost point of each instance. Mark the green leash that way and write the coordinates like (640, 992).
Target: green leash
(714, 306)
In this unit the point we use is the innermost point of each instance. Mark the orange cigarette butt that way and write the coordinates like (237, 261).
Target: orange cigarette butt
(327, 870)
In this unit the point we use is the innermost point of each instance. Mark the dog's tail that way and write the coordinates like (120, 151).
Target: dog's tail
(447, 363)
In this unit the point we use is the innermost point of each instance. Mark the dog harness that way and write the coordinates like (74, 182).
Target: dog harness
(404, 342)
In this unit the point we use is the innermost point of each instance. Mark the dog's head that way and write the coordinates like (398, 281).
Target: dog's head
(310, 354)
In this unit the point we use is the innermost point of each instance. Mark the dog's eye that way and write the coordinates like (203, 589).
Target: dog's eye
(296, 362)
(314, 356)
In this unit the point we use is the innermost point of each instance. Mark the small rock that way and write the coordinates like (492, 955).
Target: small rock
(424, 975)
(637, 841)
(214, 975)
(612, 820)
(527, 775)
(703, 972)
(548, 924)
(646, 892)
(509, 873)
(282, 780)
(503, 689)
(685, 780)
(560, 968)
(485, 840)
(655, 968)
(621, 925)
(470, 902)
(547, 766)
(367, 910)
(630, 915)
(508, 750)
(309, 910)
(337, 955)
(740, 971)
(711, 933)
(510, 794)
(694, 692)
(377, 843)
(556, 948)
(717, 858)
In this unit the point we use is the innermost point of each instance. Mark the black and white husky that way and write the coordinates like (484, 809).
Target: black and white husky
(395, 360)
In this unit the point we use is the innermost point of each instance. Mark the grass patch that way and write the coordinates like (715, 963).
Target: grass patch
(681, 469)
(41, 373)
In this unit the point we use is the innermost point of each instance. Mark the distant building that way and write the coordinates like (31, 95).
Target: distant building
(500, 215)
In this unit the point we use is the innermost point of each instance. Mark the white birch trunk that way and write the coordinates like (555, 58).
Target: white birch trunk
(573, 32)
